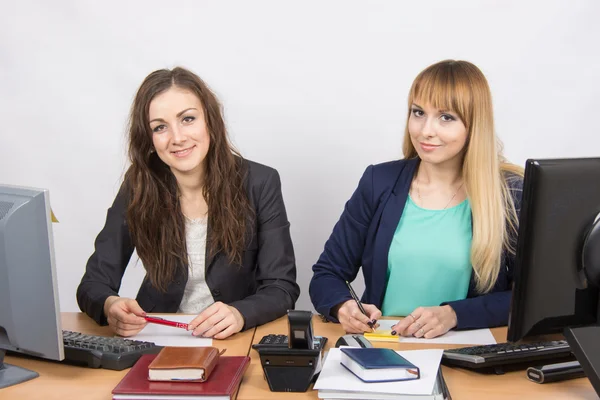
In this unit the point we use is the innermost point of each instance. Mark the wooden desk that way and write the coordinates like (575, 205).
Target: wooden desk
(60, 381)
(463, 384)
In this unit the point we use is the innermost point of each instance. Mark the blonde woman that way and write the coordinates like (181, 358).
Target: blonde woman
(435, 232)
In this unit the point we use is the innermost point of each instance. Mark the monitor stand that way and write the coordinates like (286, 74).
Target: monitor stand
(11, 374)
(586, 347)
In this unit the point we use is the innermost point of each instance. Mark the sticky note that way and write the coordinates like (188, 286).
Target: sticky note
(53, 216)
(381, 336)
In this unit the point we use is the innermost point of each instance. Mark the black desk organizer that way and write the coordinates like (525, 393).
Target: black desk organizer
(292, 369)
(289, 370)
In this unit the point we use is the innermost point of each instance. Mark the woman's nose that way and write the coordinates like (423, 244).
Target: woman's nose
(428, 129)
(178, 135)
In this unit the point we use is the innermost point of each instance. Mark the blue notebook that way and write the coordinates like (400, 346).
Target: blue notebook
(378, 365)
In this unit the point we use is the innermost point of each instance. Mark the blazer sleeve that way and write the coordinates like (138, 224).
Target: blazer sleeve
(486, 311)
(277, 290)
(105, 268)
(342, 256)
(492, 309)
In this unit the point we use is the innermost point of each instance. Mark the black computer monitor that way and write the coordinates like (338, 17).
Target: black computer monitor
(558, 249)
(29, 305)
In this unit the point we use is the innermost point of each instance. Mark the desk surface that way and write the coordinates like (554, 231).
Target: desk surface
(463, 384)
(60, 381)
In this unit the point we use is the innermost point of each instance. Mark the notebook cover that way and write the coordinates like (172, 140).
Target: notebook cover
(377, 358)
(223, 381)
(172, 359)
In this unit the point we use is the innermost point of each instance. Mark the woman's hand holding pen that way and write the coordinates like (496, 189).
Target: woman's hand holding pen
(353, 320)
(125, 316)
(217, 321)
(427, 322)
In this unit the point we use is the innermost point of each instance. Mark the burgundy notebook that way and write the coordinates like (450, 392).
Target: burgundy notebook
(221, 385)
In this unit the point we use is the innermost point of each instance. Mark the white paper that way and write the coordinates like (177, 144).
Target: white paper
(335, 377)
(469, 337)
(335, 395)
(163, 335)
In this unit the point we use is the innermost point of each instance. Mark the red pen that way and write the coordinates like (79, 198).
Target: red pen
(162, 321)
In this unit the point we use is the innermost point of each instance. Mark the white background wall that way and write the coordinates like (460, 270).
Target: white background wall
(316, 89)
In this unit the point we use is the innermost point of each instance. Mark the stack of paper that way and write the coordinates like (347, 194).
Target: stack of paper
(469, 337)
(163, 335)
(336, 382)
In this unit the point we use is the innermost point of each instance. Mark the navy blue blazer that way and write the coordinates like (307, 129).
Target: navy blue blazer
(363, 235)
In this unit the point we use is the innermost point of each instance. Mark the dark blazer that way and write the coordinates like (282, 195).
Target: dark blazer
(263, 288)
(363, 235)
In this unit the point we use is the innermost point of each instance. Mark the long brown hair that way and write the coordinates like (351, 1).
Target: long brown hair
(154, 216)
(461, 87)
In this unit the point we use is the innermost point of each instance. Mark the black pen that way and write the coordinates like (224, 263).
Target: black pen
(360, 307)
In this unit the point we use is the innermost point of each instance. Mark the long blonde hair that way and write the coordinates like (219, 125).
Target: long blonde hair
(461, 87)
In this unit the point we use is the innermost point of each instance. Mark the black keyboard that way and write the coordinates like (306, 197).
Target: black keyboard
(506, 354)
(104, 352)
(273, 340)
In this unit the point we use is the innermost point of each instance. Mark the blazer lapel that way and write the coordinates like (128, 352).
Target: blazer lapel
(390, 217)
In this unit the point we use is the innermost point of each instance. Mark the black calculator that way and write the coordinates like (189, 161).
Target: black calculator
(273, 340)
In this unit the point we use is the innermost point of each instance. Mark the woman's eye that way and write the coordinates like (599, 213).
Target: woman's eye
(188, 119)
(158, 128)
(417, 113)
(447, 117)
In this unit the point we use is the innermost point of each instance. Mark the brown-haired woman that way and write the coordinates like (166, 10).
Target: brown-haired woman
(209, 226)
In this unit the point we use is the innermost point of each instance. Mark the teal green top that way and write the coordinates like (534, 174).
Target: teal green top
(429, 258)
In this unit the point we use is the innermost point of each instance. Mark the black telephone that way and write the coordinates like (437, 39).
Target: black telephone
(273, 340)
(292, 362)
(301, 330)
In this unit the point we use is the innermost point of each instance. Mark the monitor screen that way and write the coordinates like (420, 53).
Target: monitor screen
(29, 306)
(561, 202)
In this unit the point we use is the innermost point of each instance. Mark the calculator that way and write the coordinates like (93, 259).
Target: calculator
(273, 340)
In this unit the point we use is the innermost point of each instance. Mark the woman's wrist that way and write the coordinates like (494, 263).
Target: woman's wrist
(335, 309)
(109, 302)
(453, 315)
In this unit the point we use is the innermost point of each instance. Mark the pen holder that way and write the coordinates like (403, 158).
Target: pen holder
(289, 370)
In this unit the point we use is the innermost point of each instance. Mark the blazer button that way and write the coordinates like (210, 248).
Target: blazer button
(215, 292)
